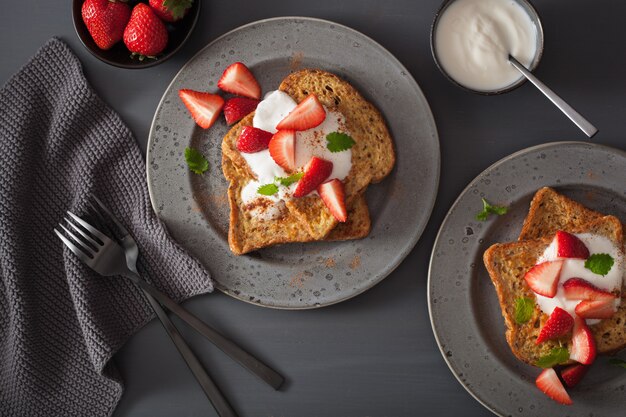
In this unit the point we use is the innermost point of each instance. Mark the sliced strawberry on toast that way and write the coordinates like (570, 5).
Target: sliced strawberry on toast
(573, 374)
(283, 149)
(548, 382)
(566, 245)
(237, 108)
(204, 107)
(596, 309)
(558, 324)
(308, 114)
(580, 289)
(544, 278)
(334, 196)
(252, 140)
(316, 172)
(238, 79)
(583, 344)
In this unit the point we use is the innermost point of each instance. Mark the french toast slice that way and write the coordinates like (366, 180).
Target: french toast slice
(308, 219)
(248, 232)
(507, 263)
(373, 155)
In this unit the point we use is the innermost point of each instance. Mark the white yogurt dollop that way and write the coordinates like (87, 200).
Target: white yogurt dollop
(575, 268)
(474, 38)
(271, 110)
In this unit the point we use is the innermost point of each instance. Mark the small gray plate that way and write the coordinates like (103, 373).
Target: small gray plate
(463, 305)
(195, 207)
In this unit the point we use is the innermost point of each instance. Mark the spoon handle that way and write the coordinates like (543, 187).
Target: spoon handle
(582, 123)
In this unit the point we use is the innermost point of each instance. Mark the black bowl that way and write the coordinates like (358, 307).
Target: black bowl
(119, 55)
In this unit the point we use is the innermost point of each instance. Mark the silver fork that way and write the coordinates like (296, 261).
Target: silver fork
(109, 259)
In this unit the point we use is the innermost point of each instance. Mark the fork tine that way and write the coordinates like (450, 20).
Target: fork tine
(80, 244)
(101, 205)
(83, 234)
(89, 228)
(78, 252)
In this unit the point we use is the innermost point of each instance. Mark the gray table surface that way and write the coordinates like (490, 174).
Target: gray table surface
(374, 355)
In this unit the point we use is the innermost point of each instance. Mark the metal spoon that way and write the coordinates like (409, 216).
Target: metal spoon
(582, 123)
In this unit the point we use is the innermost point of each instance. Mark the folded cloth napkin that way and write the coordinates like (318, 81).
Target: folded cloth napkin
(60, 323)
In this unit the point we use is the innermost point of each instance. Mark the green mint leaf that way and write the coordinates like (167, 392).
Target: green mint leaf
(524, 308)
(196, 161)
(287, 181)
(599, 263)
(618, 362)
(556, 356)
(267, 189)
(489, 209)
(338, 142)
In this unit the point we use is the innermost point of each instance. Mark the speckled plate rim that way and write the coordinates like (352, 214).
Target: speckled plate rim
(431, 199)
(483, 401)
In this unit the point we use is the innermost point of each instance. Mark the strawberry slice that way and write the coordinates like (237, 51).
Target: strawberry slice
(204, 107)
(583, 344)
(579, 289)
(566, 245)
(573, 374)
(544, 278)
(283, 149)
(308, 114)
(558, 324)
(252, 140)
(596, 309)
(315, 173)
(237, 108)
(238, 79)
(334, 197)
(548, 382)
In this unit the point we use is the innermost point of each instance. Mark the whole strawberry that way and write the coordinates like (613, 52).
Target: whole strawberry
(105, 21)
(145, 35)
(171, 10)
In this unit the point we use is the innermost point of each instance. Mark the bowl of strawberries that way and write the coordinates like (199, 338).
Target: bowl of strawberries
(132, 33)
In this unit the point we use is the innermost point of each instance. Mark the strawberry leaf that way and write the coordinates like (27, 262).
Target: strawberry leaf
(287, 181)
(177, 7)
(489, 209)
(338, 142)
(599, 263)
(556, 356)
(267, 189)
(524, 308)
(196, 162)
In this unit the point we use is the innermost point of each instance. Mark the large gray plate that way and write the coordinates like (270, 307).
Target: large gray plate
(195, 208)
(464, 309)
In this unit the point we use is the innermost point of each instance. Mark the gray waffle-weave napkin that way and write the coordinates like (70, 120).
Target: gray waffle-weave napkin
(60, 323)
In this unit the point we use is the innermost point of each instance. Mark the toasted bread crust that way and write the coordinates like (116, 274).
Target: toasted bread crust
(308, 219)
(507, 263)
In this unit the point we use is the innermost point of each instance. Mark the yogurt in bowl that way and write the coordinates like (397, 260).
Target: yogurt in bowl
(471, 41)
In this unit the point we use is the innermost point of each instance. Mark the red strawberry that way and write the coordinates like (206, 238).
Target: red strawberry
(548, 382)
(583, 344)
(579, 289)
(105, 21)
(558, 324)
(334, 197)
(308, 114)
(204, 107)
(596, 309)
(315, 173)
(171, 10)
(569, 246)
(283, 149)
(237, 108)
(145, 35)
(237, 79)
(253, 140)
(544, 278)
(573, 374)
